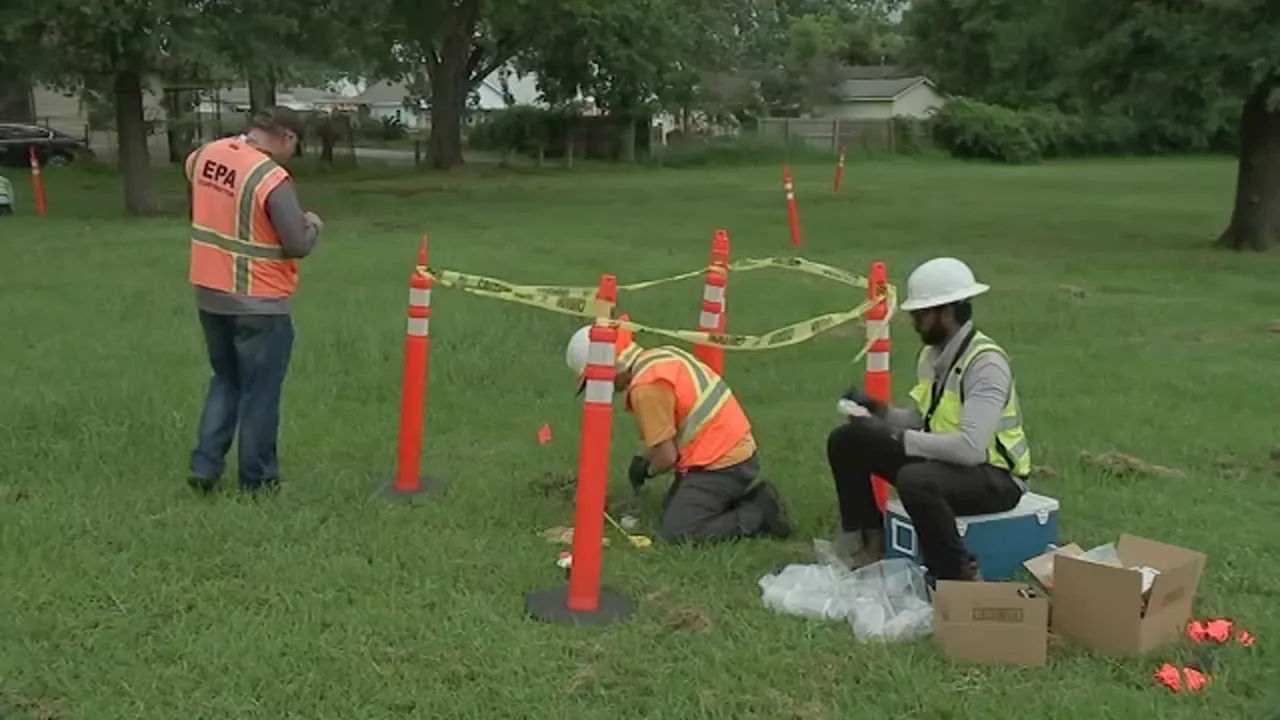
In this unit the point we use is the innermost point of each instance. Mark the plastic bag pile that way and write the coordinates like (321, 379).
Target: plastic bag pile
(886, 601)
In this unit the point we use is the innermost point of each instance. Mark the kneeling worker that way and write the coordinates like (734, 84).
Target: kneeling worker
(691, 423)
(958, 449)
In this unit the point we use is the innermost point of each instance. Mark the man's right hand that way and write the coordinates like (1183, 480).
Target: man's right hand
(856, 394)
(314, 219)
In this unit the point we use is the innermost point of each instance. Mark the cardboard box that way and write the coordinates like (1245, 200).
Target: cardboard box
(992, 622)
(1135, 606)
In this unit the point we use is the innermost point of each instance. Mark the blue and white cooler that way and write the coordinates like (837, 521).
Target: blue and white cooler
(1001, 542)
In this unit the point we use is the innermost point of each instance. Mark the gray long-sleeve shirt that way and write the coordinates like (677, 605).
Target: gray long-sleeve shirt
(298, 238)
(986, 385)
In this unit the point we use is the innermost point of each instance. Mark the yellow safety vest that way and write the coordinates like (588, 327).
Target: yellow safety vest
(1009, 449)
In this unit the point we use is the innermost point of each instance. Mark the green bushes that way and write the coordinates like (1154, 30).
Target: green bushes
(970, 129)
(740, 150)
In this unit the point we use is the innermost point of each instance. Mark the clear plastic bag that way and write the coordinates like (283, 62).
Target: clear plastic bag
(891, 601)
(888, 600)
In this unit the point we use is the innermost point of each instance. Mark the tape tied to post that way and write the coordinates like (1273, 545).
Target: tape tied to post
(580, 302)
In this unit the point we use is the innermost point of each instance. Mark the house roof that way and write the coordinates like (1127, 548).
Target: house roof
(886, 89)
(383, 92)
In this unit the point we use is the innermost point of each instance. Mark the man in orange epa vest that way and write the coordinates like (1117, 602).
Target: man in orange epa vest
(247, 233)
(690, 423)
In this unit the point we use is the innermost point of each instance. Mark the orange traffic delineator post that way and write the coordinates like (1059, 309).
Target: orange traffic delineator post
(839, 181)
(876, 380)
(37, 182)
(408, 480)
(712, 318)
(793, 215)
(583, 601)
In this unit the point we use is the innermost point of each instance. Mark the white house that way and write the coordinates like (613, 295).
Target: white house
(882, 98)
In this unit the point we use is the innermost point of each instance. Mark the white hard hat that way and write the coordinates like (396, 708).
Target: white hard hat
(941, 281)
(575, 356)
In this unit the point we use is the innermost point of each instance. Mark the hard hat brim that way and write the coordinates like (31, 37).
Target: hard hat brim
(974, 290)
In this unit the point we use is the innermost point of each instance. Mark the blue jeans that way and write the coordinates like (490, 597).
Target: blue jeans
(249, 355)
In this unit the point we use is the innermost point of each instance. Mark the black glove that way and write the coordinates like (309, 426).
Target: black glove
(638, 472)
(877, 408)
(880, 425)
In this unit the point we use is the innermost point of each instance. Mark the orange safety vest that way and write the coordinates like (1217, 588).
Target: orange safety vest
(234, 247)
(709, 421)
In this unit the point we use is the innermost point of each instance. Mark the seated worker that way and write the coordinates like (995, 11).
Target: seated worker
(958, 449)
(6, 196)
(691, 423)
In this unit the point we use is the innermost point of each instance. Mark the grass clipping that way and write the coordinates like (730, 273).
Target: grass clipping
(1119, 464)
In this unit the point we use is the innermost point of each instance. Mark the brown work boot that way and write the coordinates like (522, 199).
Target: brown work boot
(859, 549)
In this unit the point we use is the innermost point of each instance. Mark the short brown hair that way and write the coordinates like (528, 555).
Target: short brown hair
(279, 119)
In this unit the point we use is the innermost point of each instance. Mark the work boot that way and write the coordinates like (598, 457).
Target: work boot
(777, 521)
(859, 549)
(202, 485)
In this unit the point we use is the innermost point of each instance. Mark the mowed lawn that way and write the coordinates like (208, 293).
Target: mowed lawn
(124, 596)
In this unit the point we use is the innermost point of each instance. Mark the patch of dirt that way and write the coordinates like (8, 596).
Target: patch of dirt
(553, 484)
(1045, 471)
(1120, 464)
(1274, 326)
(689, 619)
(1074, 292)
(563, 535)
(34, 708)
(657, 593)
(13, 493)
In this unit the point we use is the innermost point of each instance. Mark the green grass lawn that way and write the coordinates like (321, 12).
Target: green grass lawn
(124, 596)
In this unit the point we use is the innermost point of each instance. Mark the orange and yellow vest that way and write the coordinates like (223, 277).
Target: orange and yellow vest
(234, 247)
(709, 421)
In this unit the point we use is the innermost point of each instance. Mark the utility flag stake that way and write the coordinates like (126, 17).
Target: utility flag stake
(712, 318)
(408, 481)
(876, 380)
(793, 215)
(37, 182)
(583, 601)
(839, 181)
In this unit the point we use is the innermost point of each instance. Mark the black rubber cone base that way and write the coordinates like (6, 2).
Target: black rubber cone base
(427, 485)
(552, 605)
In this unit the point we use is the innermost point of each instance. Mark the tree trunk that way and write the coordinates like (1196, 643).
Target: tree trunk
(448, 103)
(627, 147)
(131, 131)
(262, 92)
(15, 95)
(1255, 219)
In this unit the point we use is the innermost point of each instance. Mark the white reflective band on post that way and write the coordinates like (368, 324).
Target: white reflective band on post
(418, 326)
(708, 320)
(713, 293)
(877, 329)
(601, 353)
(599, 391)
(420, 297)
(877, 362)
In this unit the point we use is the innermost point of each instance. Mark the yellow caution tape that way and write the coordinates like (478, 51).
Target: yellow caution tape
(578, 302)
(467, 281)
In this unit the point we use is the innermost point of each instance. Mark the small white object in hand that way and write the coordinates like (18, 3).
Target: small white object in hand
(851, 408)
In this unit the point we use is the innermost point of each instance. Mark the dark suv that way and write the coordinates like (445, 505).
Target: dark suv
(51, 146)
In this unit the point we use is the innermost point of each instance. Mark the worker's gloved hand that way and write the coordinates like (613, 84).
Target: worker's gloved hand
(638, 472)
(880, 425)
(856, 394)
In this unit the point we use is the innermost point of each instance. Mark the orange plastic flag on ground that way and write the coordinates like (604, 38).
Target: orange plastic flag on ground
(544, 434)
(1188, 678)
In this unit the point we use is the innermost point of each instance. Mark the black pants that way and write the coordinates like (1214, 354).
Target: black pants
(933, 493)
(717, 505)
